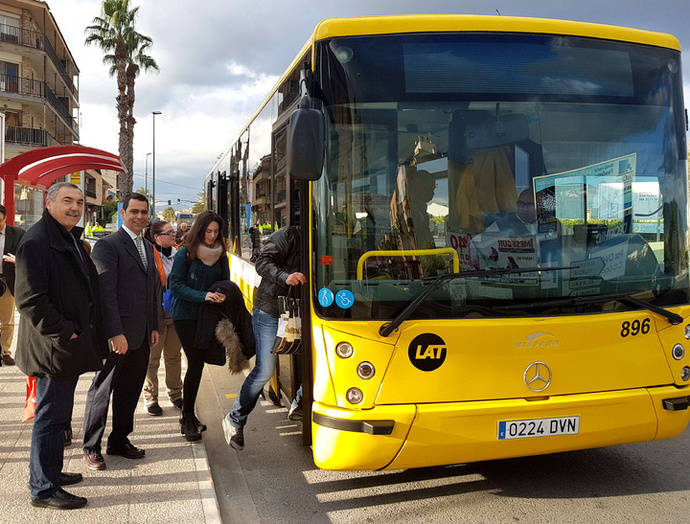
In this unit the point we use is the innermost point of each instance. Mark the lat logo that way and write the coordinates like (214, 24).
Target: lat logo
(427, 352)
(538, 340)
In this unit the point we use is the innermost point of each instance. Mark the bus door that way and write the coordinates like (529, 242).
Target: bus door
(298, 192)
(232, 197)
(289, 366)
(222, 193)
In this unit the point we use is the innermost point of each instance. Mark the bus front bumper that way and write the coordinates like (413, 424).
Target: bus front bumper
(409, 435)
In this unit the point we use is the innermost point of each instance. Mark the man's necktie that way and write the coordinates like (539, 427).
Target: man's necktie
(140, 247)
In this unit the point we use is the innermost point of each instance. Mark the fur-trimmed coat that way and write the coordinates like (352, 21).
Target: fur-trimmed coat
(224, 331)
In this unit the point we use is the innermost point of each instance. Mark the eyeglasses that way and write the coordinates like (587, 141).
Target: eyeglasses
(166, 234)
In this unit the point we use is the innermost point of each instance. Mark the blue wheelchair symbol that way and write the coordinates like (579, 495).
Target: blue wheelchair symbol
(344, 299)
(325, 297)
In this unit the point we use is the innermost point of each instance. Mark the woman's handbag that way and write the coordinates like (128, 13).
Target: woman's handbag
(289, 335)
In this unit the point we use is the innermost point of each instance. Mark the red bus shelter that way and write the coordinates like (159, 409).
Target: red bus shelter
(41, 167)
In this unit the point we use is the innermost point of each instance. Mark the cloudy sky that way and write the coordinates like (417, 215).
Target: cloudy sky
(219, 58)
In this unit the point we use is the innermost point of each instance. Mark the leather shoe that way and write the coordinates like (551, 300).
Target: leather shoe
(60, 500)
(7, 360)
(66, 479)
(154, 409)
(127, 450)
(94, 460)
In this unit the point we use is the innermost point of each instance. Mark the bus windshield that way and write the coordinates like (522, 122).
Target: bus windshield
(461, 152)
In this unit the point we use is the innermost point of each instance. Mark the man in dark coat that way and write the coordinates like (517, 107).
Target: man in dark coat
(130, 284)
(9, 241)
(60, 335)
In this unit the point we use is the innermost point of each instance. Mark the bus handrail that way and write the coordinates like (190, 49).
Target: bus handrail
(408, 252)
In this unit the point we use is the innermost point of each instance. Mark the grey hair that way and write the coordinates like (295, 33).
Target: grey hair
(55, 188)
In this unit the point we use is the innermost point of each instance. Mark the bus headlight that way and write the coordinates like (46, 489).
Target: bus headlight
(687, 331)
(355, 395)
(344, 350)
(678, 352)
(366, 370)
(684, 374)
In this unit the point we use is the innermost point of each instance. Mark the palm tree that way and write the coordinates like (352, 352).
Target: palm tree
(125, 51)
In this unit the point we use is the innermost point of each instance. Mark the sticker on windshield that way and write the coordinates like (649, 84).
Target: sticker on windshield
(344, 299)
(325, 297)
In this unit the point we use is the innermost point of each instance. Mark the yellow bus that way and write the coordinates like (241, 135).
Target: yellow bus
(479, 283)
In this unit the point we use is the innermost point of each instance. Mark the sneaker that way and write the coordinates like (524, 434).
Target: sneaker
(234, 437)
(154, 409)
(7, 360)
(295, 412)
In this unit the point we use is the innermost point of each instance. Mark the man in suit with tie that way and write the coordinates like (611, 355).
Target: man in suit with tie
(9, 241)
(129, 284)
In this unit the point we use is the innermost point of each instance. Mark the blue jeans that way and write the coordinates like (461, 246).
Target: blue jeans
(297, 401)
(265, 327)
(54, 403)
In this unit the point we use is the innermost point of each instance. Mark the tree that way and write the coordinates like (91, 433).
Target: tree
(109, 209)
(146, 193)
(200, 205)
(169, 214)
(125, 52)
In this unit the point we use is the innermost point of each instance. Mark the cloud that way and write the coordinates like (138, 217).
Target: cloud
(219, 59)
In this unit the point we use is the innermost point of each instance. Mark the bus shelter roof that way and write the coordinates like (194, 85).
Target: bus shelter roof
(44, 165)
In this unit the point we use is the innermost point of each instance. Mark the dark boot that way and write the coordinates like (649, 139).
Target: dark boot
(199, 426)
(189, 428)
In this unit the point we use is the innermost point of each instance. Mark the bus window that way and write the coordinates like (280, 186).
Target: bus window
(256, 214)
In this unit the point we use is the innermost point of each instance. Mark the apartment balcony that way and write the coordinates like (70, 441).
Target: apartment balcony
(264, 174)
(60, 65)
(19, 36)
(22, 88)
(27, 136)
(58, 105)
(281, 200)
(36, 40)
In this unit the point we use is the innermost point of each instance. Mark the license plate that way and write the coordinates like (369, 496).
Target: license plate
(538, 427)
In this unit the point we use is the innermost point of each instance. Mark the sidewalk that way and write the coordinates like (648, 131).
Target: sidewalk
(171, 484)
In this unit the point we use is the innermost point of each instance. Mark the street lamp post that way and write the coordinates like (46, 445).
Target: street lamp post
(146, 174)
(153, 177)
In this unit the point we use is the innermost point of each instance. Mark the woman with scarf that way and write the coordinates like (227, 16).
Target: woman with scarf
(199, 263)
(162, 235)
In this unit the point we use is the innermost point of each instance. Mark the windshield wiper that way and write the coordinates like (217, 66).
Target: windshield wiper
(673, 318)
(387, 328)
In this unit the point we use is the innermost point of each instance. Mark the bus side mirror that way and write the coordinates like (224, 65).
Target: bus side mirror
(306, 143)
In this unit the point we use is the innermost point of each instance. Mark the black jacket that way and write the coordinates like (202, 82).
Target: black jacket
(210, 314)
(13, 235)
(280, 256)
(57, 295)
(131, 291)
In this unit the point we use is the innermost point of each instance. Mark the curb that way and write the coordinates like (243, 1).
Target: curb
(209, 502)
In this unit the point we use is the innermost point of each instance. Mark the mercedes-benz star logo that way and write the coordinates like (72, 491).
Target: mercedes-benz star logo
(537, 376)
